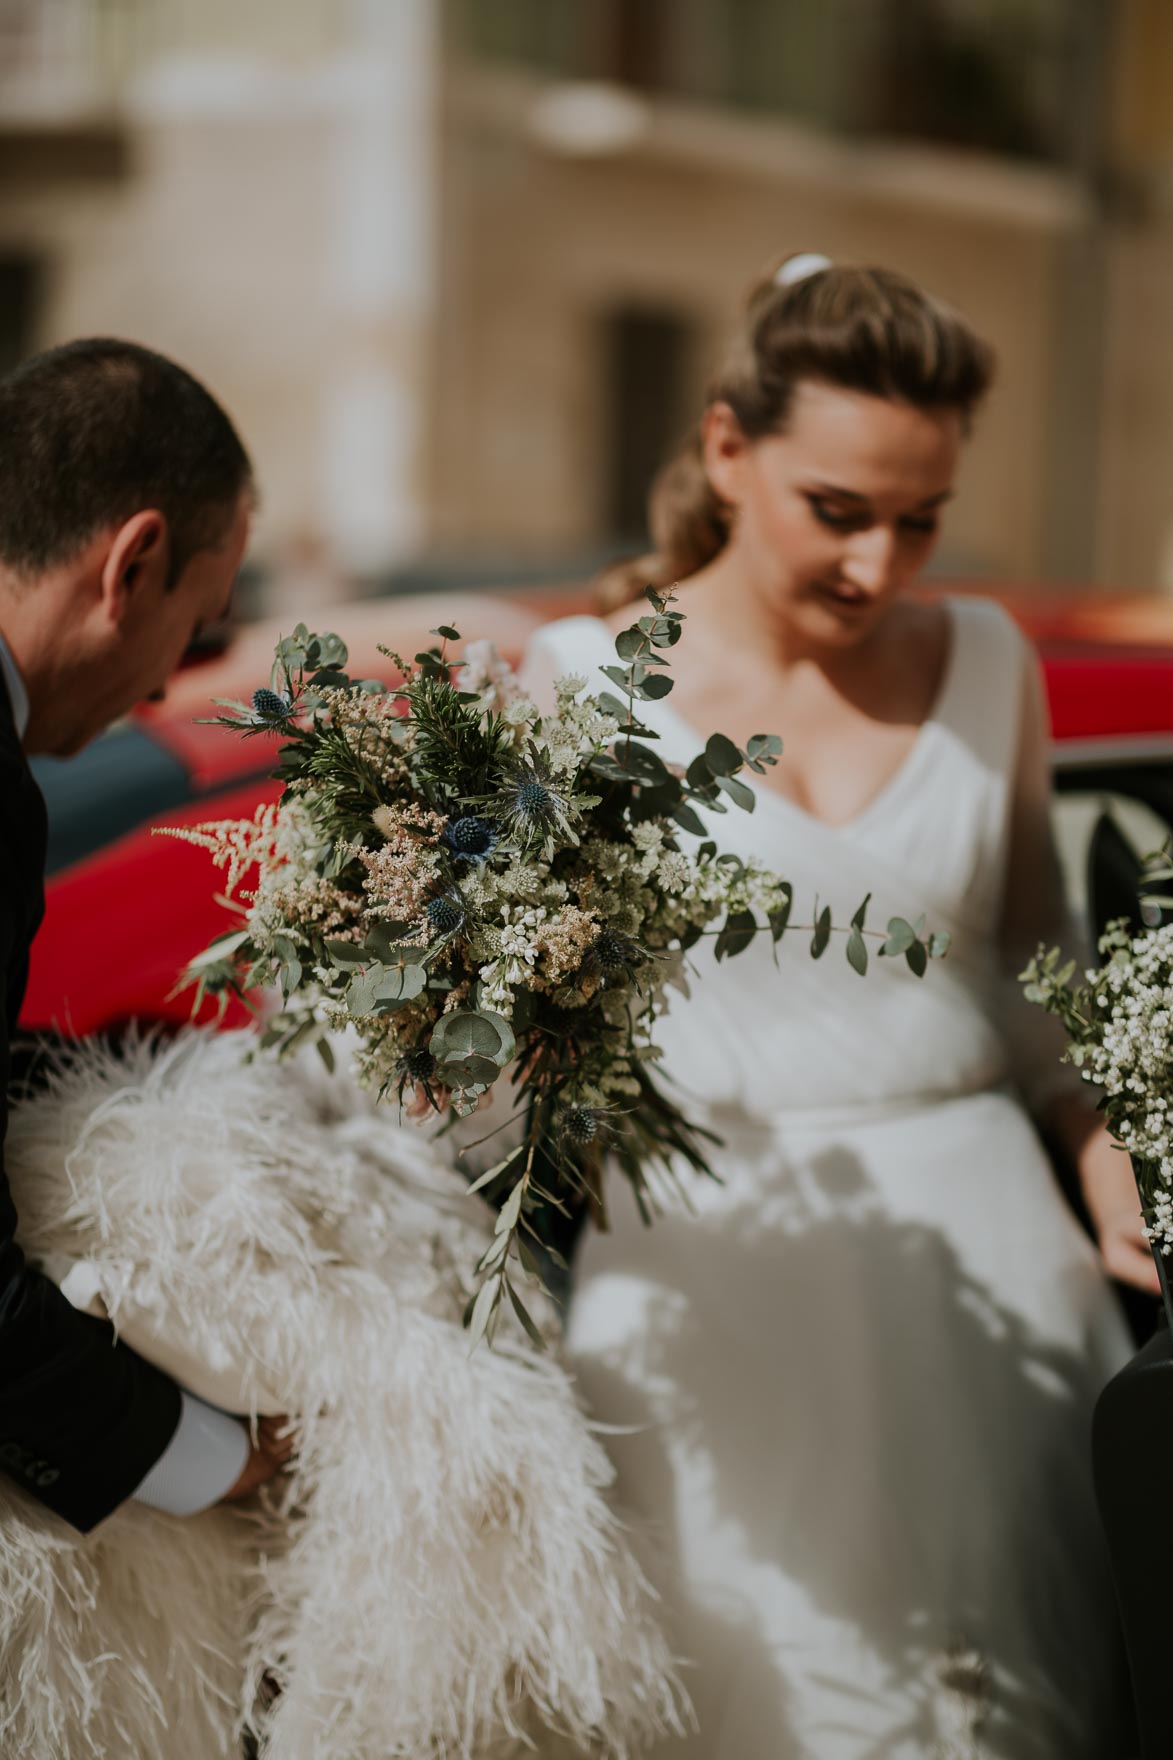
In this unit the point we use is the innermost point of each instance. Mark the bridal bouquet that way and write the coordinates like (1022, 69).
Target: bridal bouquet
(1119, 1021)
(479, 889)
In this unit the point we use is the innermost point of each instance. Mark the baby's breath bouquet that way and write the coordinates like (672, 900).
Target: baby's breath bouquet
(1119, 1021)
(481, 890)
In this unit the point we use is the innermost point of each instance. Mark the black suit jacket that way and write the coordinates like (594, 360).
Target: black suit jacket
(1132, 1448)
(82, 1417)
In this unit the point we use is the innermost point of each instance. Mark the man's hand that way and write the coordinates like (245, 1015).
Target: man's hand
(270, 1452)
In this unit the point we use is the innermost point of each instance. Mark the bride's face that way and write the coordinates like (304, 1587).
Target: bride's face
(834, 517)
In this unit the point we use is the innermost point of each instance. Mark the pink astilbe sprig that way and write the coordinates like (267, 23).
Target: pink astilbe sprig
(234, 844)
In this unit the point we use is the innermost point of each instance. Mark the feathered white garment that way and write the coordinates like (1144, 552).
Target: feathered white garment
(439, 1576)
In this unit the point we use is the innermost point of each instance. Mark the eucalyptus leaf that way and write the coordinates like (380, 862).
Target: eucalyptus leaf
(331, 650)
(218, 950)
(738, 931)
(469, 1032)
(360, 992)
(822, 933)
(739, 793)
(722, 756)
(524, 1316)
(399, 984)
(939, 944)
(857, 952)
(382, 939)
(780, 915)
(510, 1211)
(860, 917)
(446, 630)
(612, 706)
(918, 958)
(487, 1178)
(688, 820)
(657, 686)
(482, 1308)
(299, 1034)
(629, 643)
(603, 764)
(641, 762)
(764, 747)
(346, 953)
(625, 677)
(472, 1071)
(901, 936)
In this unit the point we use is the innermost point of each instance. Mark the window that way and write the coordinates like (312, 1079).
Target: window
(647, 356)
(19, 297)
(1008, 78)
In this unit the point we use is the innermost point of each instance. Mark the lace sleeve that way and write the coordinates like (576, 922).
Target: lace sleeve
(1034, 910)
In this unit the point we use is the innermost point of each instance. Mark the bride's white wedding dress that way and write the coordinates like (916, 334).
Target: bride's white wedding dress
(854, 1387)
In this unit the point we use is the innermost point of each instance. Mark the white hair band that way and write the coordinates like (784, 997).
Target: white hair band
(799, 267)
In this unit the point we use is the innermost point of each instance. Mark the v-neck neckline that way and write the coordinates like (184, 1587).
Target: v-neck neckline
(911, 762)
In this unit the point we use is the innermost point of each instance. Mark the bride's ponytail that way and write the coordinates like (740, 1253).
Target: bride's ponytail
(861, 329)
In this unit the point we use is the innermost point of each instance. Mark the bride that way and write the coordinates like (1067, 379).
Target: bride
(852, 1388)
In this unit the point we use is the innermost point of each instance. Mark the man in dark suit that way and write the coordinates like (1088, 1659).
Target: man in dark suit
(125, 499)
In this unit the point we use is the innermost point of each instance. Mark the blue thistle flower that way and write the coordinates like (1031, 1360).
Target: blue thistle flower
(581, 1125)
(533, 799)
(532, 802)
(444, 914)
(612, 952)
(471, 837)
(417, 1071)
(418, 1065)
(271, 706)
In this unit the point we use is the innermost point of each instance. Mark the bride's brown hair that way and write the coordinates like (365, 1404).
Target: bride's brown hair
(860, 329)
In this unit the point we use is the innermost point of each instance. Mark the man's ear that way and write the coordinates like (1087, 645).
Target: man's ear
(723, 449)
(136, 559)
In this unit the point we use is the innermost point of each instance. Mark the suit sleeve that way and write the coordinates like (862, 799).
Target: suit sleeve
(82, 1417)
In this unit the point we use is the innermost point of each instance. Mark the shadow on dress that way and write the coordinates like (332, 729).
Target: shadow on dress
(948, 1505)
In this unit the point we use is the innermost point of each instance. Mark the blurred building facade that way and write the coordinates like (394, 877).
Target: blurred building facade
(460, 267)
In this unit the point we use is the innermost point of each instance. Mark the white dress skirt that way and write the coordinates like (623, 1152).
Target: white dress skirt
(852, 1390)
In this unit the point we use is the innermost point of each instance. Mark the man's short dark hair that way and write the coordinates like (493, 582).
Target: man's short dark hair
(98, 430)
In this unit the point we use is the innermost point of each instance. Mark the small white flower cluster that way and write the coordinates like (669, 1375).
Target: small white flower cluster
(1128, 1052)
(576, 731)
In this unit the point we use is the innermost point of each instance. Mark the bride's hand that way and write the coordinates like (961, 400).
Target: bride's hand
(1110, 1193)
(272, 1450)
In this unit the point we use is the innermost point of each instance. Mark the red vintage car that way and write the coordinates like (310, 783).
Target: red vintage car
(127, 909)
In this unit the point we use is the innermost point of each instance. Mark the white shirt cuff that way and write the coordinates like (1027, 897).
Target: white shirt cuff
(203, 1460)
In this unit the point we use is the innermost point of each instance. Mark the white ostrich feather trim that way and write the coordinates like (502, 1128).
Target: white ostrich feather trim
(439, 1576)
